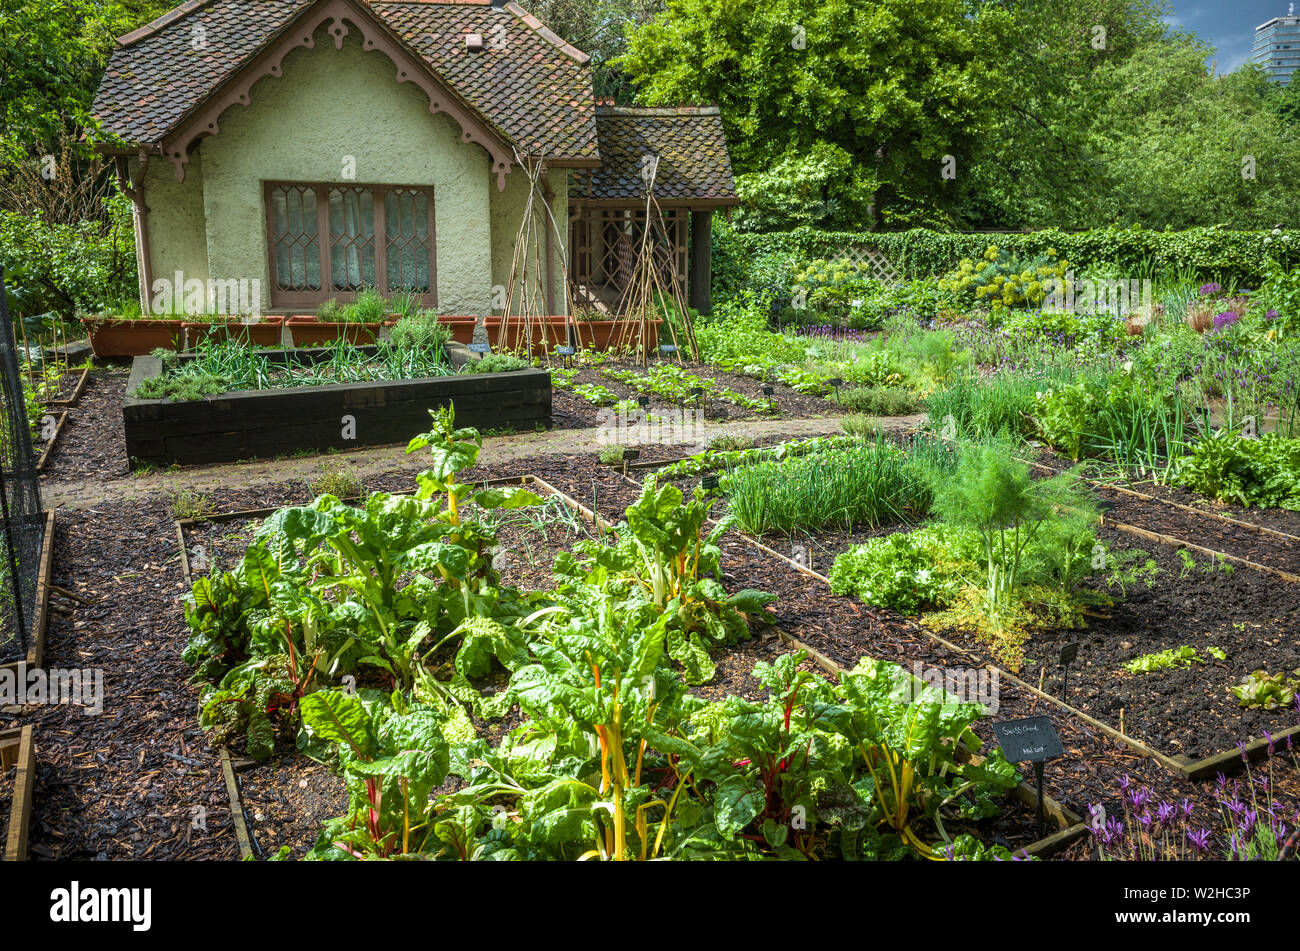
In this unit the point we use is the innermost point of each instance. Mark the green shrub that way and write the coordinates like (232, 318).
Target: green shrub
(1263, 472)
(496, 363)
(84, 268)
(997, 277)
(1280, 292)
(1238, 257)
(737, 330)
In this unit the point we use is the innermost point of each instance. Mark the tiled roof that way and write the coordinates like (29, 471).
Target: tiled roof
(530, 83)
(693, 163)
(526, 81)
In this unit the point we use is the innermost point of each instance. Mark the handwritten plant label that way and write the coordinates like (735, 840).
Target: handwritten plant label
(1032, 740)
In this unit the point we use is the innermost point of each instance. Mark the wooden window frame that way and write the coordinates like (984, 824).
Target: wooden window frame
(307, 298)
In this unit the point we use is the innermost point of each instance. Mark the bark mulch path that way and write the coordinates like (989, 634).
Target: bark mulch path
(137, 781)
(92, 443)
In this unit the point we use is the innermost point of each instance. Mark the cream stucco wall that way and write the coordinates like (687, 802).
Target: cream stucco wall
(507, 216)
(177, 238)
(329, 108)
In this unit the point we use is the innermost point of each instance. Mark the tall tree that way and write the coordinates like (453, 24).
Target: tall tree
(854, 105)
(599, 28)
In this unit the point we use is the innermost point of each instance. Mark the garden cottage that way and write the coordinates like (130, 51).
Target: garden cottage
(318, 147)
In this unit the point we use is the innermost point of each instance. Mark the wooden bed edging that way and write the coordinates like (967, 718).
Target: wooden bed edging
(60, 417)
(18, 750)
(236, 807)
(76, 391)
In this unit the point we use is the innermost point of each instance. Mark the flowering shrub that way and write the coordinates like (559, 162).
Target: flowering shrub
(998, 279)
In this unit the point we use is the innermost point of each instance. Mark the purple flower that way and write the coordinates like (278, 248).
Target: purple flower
(1270, 315)
(1225, 319)
(1164, 812)
(1200, 839)
(1211, 288)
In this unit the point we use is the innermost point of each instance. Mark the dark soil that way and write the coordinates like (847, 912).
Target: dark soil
(1280, 520)
(786, 403)
(286, 800)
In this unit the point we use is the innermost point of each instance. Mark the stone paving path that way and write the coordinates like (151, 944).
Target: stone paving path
(86, 493)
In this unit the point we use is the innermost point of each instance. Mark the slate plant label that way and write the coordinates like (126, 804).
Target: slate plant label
(1032, 740)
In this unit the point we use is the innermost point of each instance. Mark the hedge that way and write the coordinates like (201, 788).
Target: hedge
(749, 259)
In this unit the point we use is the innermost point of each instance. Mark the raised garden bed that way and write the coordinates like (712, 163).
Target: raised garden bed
(1182, 716)
(290, 795)
(242, 424)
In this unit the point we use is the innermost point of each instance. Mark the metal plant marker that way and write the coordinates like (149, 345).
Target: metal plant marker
(1032, 740)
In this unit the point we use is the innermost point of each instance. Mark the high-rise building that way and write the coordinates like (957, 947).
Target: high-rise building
(1277, 46)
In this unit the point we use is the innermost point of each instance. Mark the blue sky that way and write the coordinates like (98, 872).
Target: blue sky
(1228, 25)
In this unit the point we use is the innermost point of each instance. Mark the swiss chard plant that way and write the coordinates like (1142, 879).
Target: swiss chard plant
(330, 589)
(662, 556)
